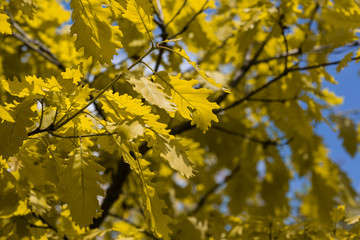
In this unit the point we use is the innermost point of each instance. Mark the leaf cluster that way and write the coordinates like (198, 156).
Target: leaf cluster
(138, 119)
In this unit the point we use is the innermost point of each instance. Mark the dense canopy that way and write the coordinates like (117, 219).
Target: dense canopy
(188, 119)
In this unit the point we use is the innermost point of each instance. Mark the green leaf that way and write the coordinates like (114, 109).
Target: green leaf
(80, 186)
(94, 33)
(342, 17)
(192, 103)
(347, 132)
(344, 62)
(14, 133)
(9, 199)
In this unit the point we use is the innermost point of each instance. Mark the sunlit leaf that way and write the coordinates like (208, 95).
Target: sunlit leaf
(93, 31)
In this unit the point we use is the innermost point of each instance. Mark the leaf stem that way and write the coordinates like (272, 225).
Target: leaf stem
(83, 136)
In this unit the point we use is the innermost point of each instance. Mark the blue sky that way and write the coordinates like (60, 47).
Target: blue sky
(349, 88)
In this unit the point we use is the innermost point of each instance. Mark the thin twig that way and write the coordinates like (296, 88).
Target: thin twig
(285, 42)
(249, 95)
(245, 68)
(83, 136)
(241, 135)
(348, 112)
(42, 112)
(212, 190)
(322, 65)
(284, 73)
(51, 60)
(177, 13)
(37, 226)
(186, 26)
(65, 119)
(47, 223)
(147, 65)
(298, 51)
(31, 43)
(158, 14)
(164, 34)
(267, 100)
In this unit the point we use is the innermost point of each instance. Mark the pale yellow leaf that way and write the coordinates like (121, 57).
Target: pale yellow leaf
(153, 93)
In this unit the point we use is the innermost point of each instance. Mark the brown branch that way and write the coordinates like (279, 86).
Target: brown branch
(267, 100)
(159, 59)
(82, 136)
(248, 96)
(37, 50)
(37, 226)
(164, 35)
(38, 130)
(113, 192)
(291, 52)
(41, 49)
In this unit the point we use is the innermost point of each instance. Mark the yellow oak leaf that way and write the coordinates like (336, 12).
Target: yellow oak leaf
(192, 103)
(93, 31)
(153, 93)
